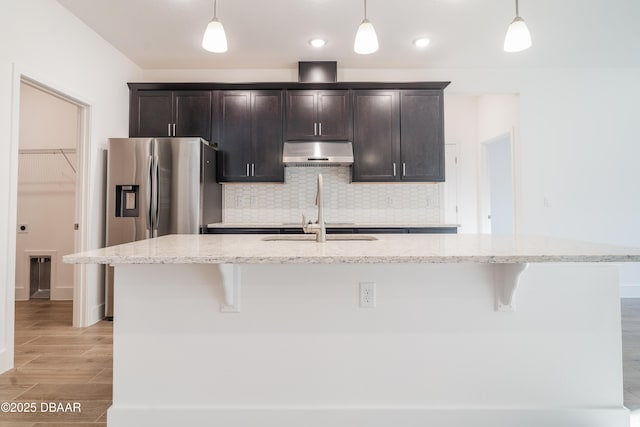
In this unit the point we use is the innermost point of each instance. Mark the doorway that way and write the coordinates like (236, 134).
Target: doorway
(82, 194)
(497, 211)
(47, 164)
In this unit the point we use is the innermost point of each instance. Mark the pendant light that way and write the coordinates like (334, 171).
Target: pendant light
(214, 39)
(518, 37)
(366, 39)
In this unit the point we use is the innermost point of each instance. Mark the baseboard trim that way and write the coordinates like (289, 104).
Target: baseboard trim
(370, 417)
(62, 294)
(96, 314)
(6, 360)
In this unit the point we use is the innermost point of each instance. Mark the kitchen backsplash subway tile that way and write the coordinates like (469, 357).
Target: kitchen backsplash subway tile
(344, 202)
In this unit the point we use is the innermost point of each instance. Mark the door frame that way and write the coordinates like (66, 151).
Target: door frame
(484, 193)
(83, 191)
(446, 185)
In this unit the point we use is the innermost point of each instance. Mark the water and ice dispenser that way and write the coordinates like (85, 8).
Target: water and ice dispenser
(127, 200)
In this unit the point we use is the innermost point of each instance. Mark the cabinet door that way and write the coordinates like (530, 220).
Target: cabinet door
(422, 136)
(376, 135)
(235, 136)
(193, 113)
(266, 129)
(334, 115)
(151, 113)
(301, 115)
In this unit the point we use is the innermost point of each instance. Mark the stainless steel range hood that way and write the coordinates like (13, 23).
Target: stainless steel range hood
(303, 153)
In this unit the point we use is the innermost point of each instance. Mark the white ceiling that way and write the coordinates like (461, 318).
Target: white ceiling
(166, 34)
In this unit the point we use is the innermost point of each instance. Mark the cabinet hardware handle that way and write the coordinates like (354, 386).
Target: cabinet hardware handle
(247, 169)
(320, 129)
(174, 129)
(404, 169)
(394, 168)
(168, 129)
(253, 169)
(315, 128)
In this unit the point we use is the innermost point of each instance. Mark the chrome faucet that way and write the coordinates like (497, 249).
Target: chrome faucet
(319, 228)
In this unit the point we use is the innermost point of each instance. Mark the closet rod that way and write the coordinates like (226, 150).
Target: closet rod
(47, 151)
(63, 151)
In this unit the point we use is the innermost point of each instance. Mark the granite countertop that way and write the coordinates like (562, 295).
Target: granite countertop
(388, 248)
(329, 225)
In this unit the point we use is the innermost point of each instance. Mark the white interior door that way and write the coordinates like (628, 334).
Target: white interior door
(500, 179)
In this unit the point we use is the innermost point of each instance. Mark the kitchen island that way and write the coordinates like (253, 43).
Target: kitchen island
(474, 330)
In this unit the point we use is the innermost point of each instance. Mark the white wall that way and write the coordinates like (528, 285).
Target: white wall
(461, 128)
(46, 189)
(497, 115)
(40, 39)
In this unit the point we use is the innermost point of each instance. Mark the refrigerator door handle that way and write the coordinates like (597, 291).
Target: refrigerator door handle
(149, 195)
(156, 194)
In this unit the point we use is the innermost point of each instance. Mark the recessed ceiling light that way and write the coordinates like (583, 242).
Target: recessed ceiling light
(317, 42)
(421, 42)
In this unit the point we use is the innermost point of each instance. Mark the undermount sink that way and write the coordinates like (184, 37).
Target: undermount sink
(312, 237)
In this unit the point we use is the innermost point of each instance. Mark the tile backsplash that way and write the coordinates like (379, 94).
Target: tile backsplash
(344, 202)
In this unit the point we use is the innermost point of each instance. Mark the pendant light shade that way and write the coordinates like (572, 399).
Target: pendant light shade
(214, 39)
(518, 37)
(366, 38)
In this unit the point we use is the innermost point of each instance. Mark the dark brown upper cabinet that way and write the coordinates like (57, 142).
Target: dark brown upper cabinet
(397, 128)
(318, 115)
(376, 135)
(421, 136)
(398, 136)
(170, 113)
(250, 136)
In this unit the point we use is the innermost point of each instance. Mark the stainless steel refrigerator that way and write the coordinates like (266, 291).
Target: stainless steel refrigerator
(158, 186)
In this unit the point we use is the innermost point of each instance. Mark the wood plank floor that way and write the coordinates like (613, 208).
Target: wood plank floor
(58, 363)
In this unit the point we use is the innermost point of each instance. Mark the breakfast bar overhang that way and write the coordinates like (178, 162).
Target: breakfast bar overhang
(474, 330)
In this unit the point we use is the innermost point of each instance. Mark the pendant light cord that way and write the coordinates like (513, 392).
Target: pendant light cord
(517, 12)
(215, 9)
(365, 9)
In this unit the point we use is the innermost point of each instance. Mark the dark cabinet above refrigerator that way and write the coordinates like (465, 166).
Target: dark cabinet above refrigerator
(170, 113)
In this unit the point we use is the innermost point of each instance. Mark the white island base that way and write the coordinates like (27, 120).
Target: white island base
(302, 352)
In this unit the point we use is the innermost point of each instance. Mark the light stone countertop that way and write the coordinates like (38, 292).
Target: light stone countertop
(388, 249)
(329, 225)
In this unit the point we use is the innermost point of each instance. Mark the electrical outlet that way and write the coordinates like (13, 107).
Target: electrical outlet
(367, 294)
